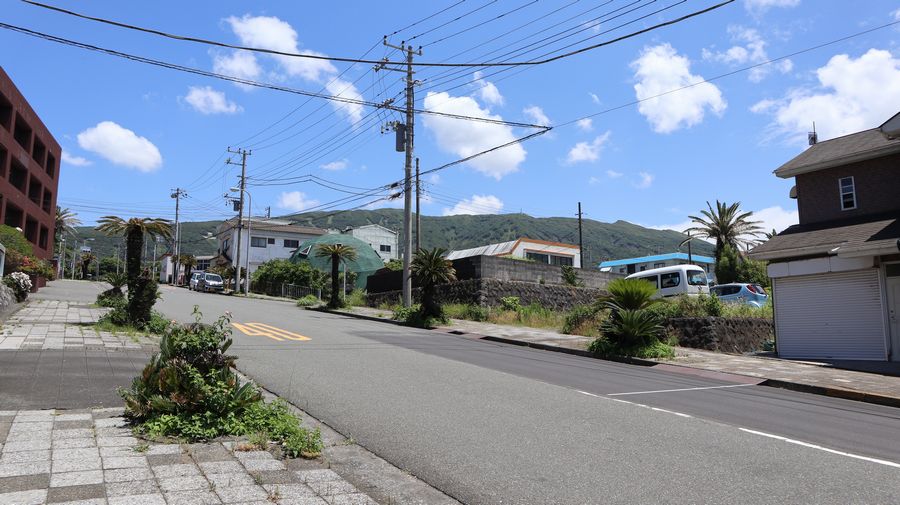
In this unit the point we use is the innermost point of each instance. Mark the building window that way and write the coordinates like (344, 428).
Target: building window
(561, 260)
(643, 267)
(848, 193)
(258, 242)
(658, 265)
(669, 280)
(384, 248)
(622, 270)
(290, 243)
(538, 257)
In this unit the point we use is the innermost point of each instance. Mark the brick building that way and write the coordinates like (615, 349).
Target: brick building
(29, 170)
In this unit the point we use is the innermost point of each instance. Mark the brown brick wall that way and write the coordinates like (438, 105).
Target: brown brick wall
(30, 205)
(877, 190)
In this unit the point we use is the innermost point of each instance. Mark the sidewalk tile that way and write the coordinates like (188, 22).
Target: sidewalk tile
(24, 427)
(74, 443)
(350, 499)
(76, 478)
(241, 494)
(255, 465)
(172, 471)
(24, 456)
(183, 483)
(221, 467)
(75, 465)
(94, 501)
(322, 475)
(144, 499)
(28, 436)
(290, 491)
(192, 498)
(127, 474)
(32, 445)
(230, 479)
(156, 450)
(76, 493)
(116, 452)
(247, 455)
(80, 453)
(33, 497)
(28, 468)
(116, 441)
(133, 487)
(73, 417)
(76, 433)
(124, 462)
(332, 487)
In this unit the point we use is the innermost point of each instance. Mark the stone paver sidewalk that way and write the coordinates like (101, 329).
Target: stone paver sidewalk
(51, 324)
(89, 457)
(834, 381)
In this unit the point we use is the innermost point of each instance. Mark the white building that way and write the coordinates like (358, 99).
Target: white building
(629, 266)
(265, 239)
(385, 241)
(540, 251)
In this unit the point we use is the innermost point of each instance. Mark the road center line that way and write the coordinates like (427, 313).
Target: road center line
(683, 389)
(820, 448)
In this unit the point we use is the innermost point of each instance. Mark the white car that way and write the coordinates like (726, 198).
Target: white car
(676, 280)
(195, 278)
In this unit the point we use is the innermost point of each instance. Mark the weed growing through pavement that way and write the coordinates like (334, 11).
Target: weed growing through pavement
(142, 447)
(274, 495)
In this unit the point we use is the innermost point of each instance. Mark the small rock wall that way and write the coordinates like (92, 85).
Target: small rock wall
(732, 335)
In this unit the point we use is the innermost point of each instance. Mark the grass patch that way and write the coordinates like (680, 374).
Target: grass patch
(308, 301)
(413, 316)
(356, 298)
(113, 322)
(604, 348)
(532, 316)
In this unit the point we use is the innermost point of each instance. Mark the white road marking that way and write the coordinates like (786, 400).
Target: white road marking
(825, 449)
(589, 394)
(684, 389)
(636, 404)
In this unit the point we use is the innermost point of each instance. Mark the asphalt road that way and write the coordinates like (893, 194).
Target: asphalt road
(494, 424)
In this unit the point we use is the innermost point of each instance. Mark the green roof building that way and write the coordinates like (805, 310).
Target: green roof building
(366, 263)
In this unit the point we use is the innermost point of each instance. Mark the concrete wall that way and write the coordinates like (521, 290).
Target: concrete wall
(732, 335)
(489, 292)
(877, 186)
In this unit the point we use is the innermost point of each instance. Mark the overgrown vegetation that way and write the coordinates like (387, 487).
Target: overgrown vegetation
(356, 298)
(113, 297)
(707, 306)
(415, 316)
(570, 276)
(282, 271)
(188, 391)
(631, 329)
(308, 301)
(337, 253)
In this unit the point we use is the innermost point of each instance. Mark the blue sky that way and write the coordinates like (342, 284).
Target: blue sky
(132, 132)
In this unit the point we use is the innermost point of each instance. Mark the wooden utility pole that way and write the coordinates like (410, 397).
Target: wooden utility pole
(409, 148)
(177, 193)
(418, 214)
(240, 224)
(580, 243)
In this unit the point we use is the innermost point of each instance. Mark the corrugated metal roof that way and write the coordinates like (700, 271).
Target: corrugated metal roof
(696, 258)
(485, 250)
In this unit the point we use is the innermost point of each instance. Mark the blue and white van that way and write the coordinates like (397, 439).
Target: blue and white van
(676, 280)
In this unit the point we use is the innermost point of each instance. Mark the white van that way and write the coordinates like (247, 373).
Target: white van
(676, 280)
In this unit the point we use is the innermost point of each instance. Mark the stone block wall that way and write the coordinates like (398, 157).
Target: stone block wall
(489, 292)
(732, 335)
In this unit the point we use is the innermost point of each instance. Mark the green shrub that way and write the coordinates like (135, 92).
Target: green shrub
(284, 271)
(476, 313)
(414, 316)
(632, 328)
(579, 317)
(511, 303)
(189, 391)
(570, 276)
(308, 301)
(111, 298)
(655, 350)
(630, 294)
(356, 298)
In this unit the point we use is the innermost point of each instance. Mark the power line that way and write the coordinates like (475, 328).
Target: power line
(377, 62)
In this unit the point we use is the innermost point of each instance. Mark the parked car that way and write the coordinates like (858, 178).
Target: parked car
(195, 278)
(676, 280)
(749, 294)
(210, 282)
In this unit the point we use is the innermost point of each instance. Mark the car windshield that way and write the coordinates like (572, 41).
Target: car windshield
(213, 277)
(696, 278)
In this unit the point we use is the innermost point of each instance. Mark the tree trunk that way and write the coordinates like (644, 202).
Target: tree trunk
(335, 285)
(134, 244)
(84, 269)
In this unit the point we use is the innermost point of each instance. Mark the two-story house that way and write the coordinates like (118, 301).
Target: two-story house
(262, 240)
(836, 275)
(384, 241)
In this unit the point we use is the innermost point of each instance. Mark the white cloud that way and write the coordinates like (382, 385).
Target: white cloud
(645, 180)
(487, 91)
(594, 180)
(240, 64)
(335, 165)
(269, 32)
(295, 201)
(595, 98)
(753, 52)
(853, 95)
(612, 174)
(586, 124)
(121, 146)
(661, 69)
(465, 138)
(896, 15)
(75, 161)
(760, 6)
(478, 204)
(341, 88)
(536, 115)
(588, 151)
(206, 100)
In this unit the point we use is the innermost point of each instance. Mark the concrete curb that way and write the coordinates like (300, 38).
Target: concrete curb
(846, 394)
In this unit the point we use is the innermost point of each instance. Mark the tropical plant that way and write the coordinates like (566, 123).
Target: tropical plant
(142, 292)
(394, 265)
(430, 268)
(66, 221)
(629, 294)
(727, 225)
(86, 259)
(727, 265)
(630, 326)
(570, 276)
(770, 234)
(337, 253)
(188, 261)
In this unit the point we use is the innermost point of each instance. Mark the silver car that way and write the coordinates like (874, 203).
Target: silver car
(210, 283)
(195, 278)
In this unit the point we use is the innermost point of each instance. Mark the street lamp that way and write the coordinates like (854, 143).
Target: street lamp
(249, 239)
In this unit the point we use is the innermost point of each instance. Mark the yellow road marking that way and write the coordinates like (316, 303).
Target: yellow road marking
(265, 330)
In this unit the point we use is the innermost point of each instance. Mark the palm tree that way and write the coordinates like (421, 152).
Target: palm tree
(66, 221)
(134, 230)
(431, 268)
(726, 224)
(770, 234)
(86, 259)
(189, 262)
(337, 253)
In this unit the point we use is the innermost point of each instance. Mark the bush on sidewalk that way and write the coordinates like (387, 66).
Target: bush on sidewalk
(189, 391)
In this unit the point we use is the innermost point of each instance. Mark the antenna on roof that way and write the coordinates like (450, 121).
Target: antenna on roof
(812, 136)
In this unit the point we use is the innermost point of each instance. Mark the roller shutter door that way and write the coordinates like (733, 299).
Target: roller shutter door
(832, 315)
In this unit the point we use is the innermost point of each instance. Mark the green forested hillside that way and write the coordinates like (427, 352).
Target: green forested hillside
(601, 240)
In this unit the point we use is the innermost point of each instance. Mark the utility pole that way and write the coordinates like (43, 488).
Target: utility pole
(409, 148)
(177, 193)
(268, 212)
(580, 243)
(418, 214)
(237, 252)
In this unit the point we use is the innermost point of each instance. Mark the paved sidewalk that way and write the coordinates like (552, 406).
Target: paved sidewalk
(88, 457)
(809, 376)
